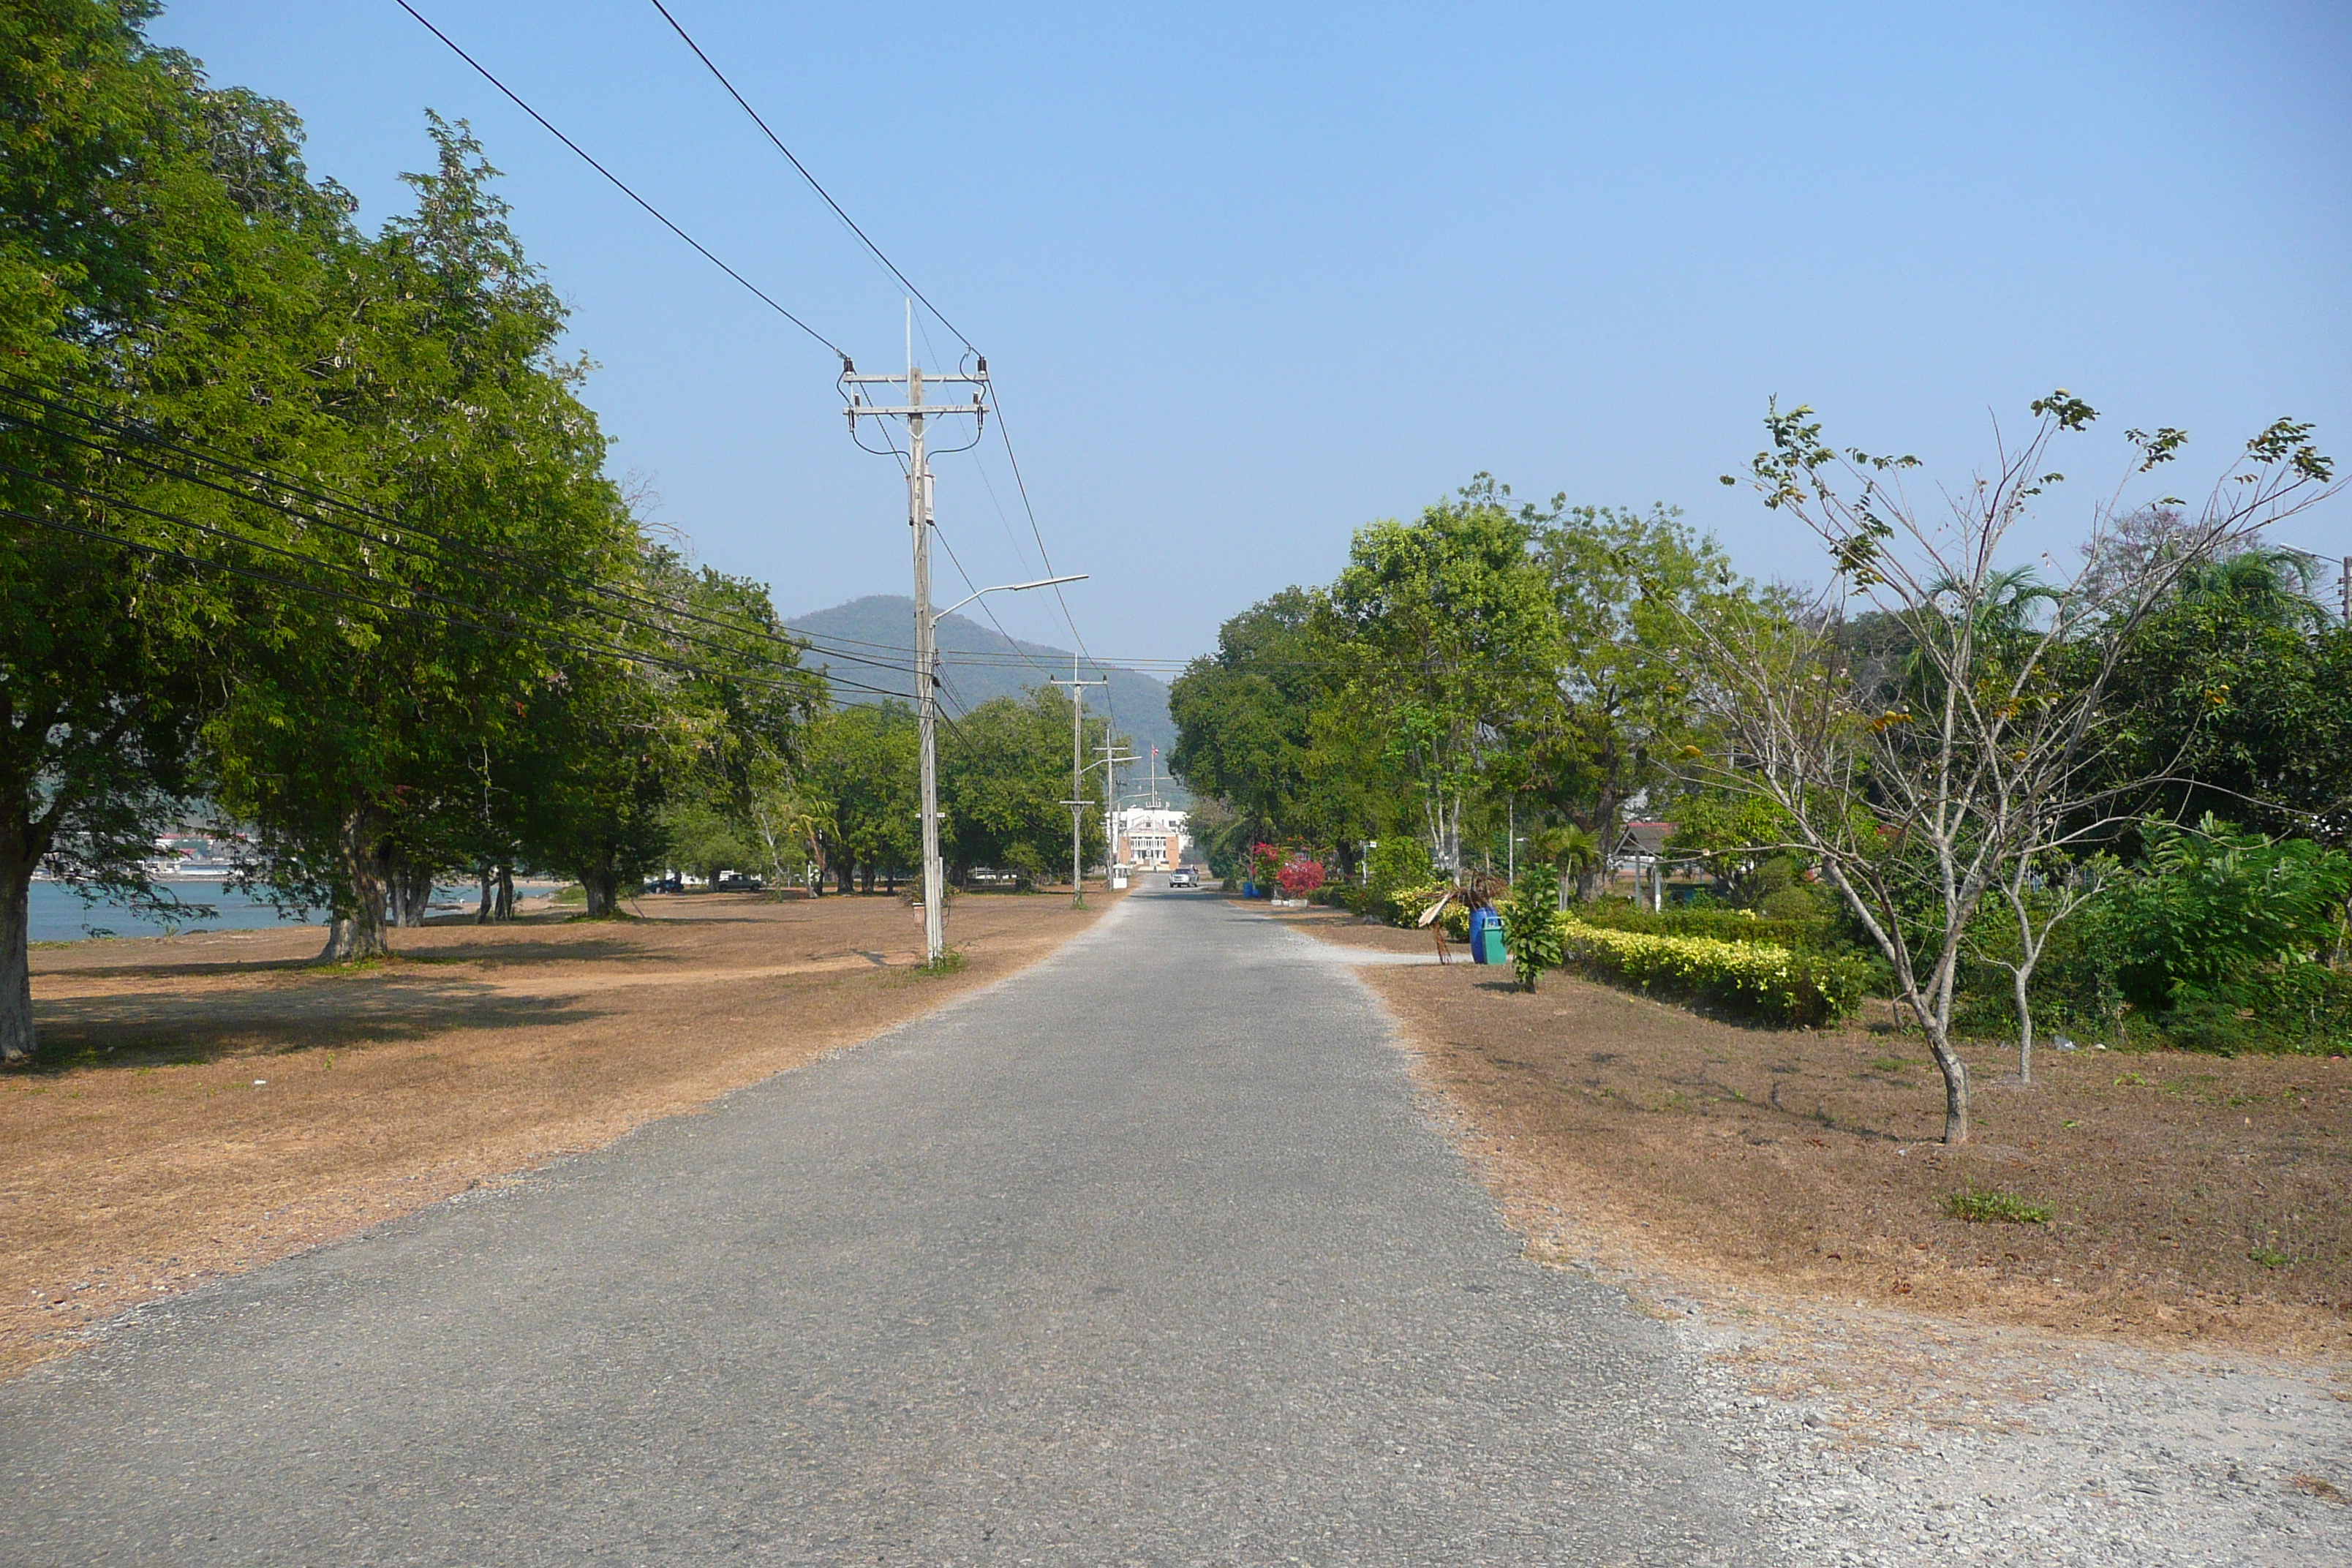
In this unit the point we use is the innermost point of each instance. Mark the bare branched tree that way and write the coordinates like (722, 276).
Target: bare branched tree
(1971, 764)
(2042, 889)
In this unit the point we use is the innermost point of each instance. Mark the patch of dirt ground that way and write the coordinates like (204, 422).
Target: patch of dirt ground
(2197, 1202)
(207, 1103)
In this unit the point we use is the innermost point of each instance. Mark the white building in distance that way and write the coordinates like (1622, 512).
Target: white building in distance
(1147, 837)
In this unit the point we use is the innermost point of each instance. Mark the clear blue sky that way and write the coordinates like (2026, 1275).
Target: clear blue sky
(1249, 276)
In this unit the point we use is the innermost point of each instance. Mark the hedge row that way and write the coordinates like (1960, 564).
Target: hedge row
(1800, 935)
(1771, 984)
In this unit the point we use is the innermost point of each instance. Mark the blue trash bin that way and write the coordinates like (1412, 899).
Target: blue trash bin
(1485, 937)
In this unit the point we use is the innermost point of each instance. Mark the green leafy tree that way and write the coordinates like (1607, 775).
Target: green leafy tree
(1259, 727)
(1004, 773)
(593, 763)
(679, 729)
(353, 746)
(861, 778)
(1446, 632)
(163, 257)
(2230, 696)
(704, 840)
(1625, 587)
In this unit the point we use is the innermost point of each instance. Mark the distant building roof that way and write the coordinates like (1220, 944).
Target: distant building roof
(1644, 838)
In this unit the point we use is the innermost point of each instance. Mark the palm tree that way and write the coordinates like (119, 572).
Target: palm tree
(1574, 851)
(1998, 613)
(2004, 604)
(2275, 586)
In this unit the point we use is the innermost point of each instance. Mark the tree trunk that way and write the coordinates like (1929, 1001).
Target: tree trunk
(865, 878)
(1956, 1087)
(412, 896)
(482, 914)
(2024, 1027)
(1566, 878)
(506, 893)
(1605, 832)
(15, 930)
(355, 928)
(601, 886)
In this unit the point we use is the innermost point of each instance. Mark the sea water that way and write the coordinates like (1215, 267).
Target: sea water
(59, 914)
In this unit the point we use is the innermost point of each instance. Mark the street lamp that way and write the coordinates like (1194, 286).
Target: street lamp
(1006, 588)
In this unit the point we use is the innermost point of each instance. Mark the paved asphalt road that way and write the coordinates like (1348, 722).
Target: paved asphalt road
(1142, 1257)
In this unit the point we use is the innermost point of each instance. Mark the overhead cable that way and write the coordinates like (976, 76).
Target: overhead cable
(898, 273)
(864, 238)
(326, 498)
(321, 590)
(620, 184)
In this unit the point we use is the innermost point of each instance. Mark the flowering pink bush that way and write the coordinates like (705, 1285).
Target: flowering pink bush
(1299, 878)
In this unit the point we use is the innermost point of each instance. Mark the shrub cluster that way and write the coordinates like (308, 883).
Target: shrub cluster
(1812, 934)
(1348, 896)
(1771, 983)
(1298, 877)
(1407, 904)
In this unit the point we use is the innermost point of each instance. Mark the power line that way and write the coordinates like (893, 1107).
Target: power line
(514, 623)
(622, 186)
(328, 498)
(618, 183)
(813, 185)
(1005, 433)
(277, 580)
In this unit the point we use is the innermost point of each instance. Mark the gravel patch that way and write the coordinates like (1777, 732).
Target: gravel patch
(1869, 1448)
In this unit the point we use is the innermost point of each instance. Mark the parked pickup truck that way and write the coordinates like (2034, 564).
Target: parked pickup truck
(1182, 880)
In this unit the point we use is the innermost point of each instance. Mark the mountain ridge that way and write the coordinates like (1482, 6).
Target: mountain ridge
(977, 664)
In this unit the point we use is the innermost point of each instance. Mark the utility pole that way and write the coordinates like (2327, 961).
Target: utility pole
(1079, 802)
(916, 412)
(918, 523)
(1109, 763)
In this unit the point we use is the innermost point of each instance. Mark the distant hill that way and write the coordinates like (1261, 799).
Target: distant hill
(979, 663)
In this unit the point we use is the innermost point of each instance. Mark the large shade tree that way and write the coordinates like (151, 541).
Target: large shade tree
(164, 258)
(352, 748)
(1444, 631)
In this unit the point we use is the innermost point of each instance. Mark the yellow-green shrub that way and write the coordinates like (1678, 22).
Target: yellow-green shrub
(1769, 983)
(1406, 906)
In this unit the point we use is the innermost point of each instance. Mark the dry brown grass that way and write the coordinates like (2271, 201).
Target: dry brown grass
(2197, 1199)
(209, 1103)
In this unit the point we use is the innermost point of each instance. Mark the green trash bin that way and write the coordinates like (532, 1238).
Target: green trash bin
(1490, 942)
